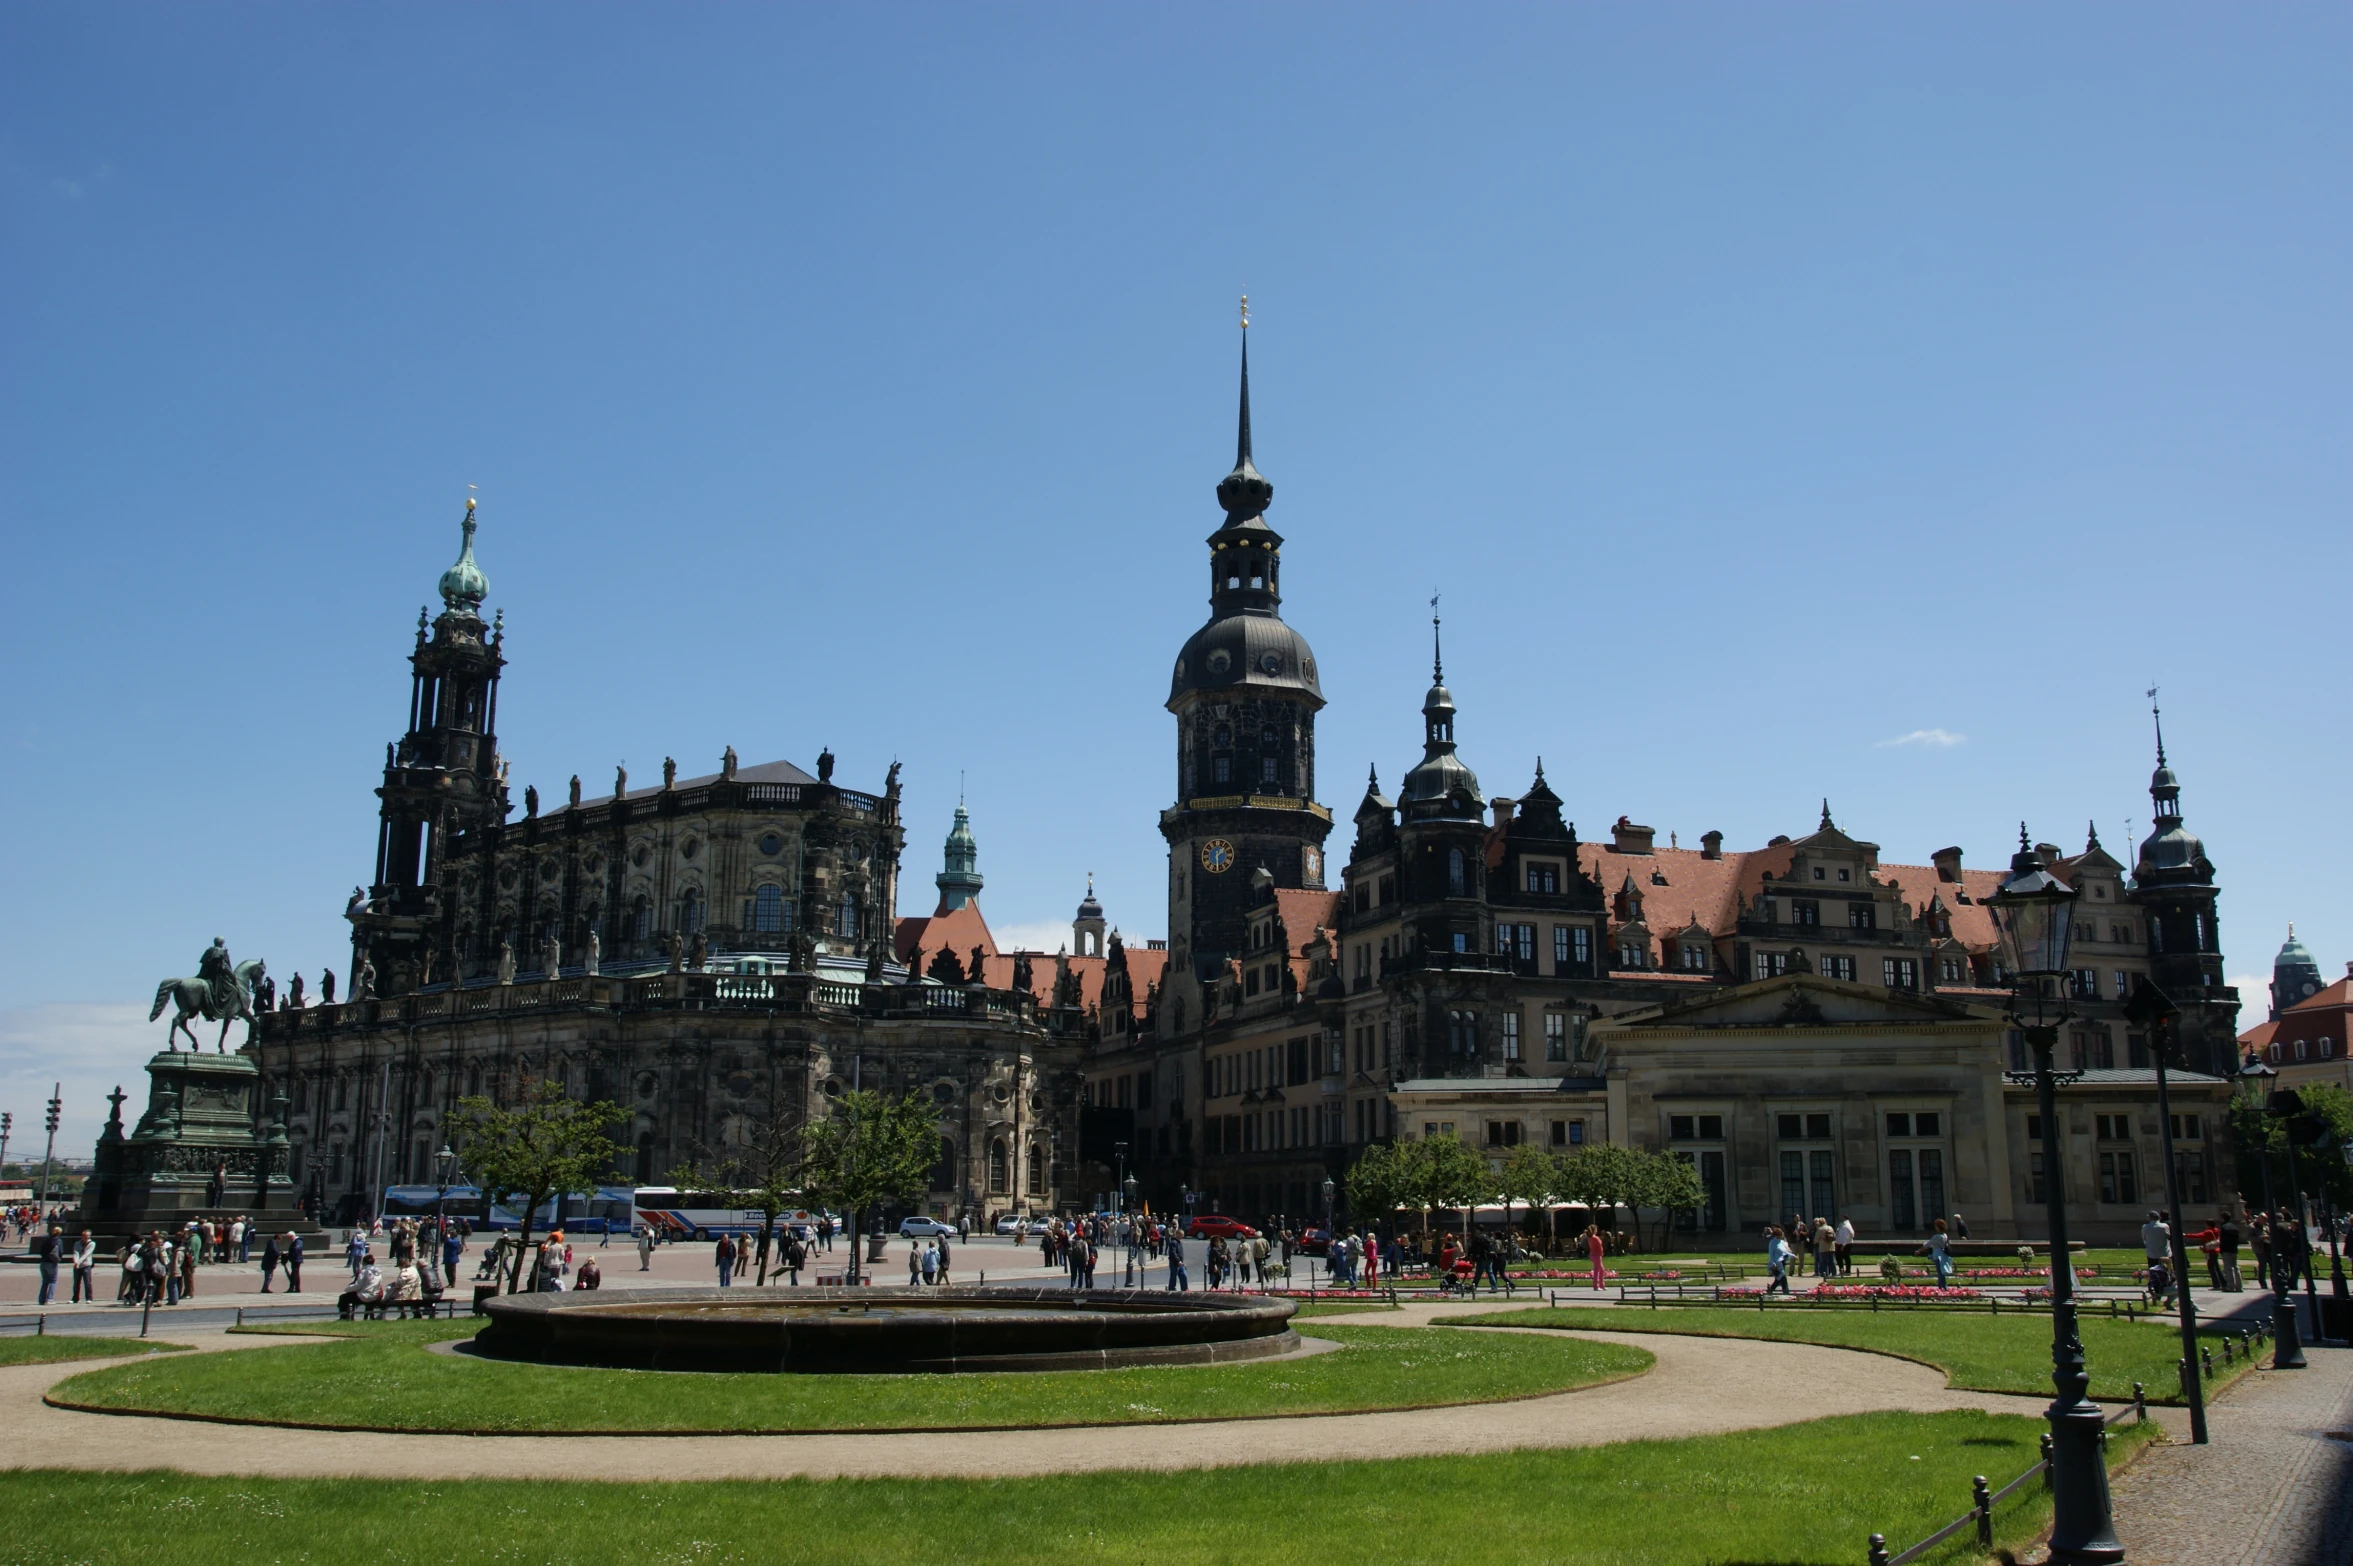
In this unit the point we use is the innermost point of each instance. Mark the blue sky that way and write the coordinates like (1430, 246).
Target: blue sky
(1760, 386)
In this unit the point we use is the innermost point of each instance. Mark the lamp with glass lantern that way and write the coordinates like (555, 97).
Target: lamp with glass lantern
(2035, 913)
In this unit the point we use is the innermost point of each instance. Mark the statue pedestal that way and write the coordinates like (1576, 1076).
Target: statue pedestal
(201, 1150)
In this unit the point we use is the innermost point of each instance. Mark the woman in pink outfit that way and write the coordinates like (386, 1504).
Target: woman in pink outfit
(1370, 1267)
(1593, 1253)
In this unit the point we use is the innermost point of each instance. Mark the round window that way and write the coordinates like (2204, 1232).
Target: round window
(833, 1087)
(772, 844)
(1220, 661)
(1272, 663)
(943, 1092)
(1000, 1093)
(687, 849)
(641, 855)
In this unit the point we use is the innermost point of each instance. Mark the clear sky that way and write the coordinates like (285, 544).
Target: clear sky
(1862, 402)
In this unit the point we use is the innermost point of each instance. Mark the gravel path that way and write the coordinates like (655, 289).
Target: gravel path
(2271, 1485)
(1699, 1386)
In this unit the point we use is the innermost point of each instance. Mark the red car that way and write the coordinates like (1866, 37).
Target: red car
(1314, 1242)
(1217, 1226)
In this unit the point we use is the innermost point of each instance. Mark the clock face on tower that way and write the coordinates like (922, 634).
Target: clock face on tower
(1217, 856)
(1312, 860)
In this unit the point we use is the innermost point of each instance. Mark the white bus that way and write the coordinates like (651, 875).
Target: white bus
(698, 1215)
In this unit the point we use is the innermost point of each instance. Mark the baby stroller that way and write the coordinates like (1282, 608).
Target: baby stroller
(1459, 1281)
(2160, 1283)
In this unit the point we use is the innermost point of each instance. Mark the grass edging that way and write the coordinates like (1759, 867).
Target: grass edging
(55, 1399)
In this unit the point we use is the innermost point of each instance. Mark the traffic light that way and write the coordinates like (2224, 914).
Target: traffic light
(53, 1108)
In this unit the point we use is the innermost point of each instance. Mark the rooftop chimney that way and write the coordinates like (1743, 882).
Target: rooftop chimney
(1503, 809)
(1628, 838)
(1948, 864)
(1711, 845)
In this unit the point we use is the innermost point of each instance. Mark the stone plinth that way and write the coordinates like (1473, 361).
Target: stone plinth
(200, 1150)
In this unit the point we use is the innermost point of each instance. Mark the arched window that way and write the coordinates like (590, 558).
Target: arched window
(997, 1170)
(768, 910)
(690, 912)
(645, 1158)
(1037, 1172)
(641, 917)
(1456, 876)
(943, 1170)
(845, 923)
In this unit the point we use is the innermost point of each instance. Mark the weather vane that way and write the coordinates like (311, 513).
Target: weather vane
(469, 497)
(1245, 312)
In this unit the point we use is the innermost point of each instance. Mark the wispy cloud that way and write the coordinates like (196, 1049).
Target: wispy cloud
(1933, 739)
(1042, 936)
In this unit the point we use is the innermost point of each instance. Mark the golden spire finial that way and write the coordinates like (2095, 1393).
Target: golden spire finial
(469, 497)
(1245, 312)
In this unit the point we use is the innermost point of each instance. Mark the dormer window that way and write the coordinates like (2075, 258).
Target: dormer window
(1820, 873)
(1543, 877)
(1842, 875)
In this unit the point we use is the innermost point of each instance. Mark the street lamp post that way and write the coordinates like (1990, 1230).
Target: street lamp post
(2035, 913)
(1134, 1239)
(56, 1103)
(2155, 1011)
(442, 1162)
(2287, 1343)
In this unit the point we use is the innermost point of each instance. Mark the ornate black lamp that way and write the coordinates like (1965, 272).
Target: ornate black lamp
(2034, 911)
(2156, 1013)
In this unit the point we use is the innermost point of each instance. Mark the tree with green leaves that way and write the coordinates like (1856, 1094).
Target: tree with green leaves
(1385, 1178)
(548, 1145)
(1530, 1175)
(1599, 1177)
(1666, 1184)
(1453, 1175)
(2257, 1134)
(761, 1169)
(869, 1149)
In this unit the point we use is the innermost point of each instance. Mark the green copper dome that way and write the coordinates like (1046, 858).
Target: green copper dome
(463, 586)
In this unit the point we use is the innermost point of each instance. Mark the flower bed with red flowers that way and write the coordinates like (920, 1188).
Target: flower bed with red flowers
(1873, 1291)
(2023, 1272)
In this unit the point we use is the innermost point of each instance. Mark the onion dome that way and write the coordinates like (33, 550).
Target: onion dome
(1088, 908)
(2295, 975)
(463, 586)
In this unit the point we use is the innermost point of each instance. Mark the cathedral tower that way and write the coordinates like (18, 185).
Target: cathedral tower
(1245, 696)
(2173, 883)
(441, 778)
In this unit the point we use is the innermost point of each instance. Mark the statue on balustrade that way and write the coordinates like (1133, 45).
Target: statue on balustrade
(596, 950)
(506, 961)
(551, 954)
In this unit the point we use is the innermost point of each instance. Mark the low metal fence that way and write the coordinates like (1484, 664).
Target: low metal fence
(1983, 1500)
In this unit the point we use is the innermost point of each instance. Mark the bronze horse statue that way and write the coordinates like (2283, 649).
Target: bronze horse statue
(196, 998)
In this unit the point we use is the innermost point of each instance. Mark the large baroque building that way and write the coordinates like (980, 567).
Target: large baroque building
(711, 953)
(1816, 1029)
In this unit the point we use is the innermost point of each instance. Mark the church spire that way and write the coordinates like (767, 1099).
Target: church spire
(1244, 494)
(959, 879)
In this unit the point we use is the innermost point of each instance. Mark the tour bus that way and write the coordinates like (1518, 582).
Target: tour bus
(698, 1215)
(423, 1201)
(609, 1209)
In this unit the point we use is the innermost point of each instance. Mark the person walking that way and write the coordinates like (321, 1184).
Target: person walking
(725, 1256)
(355, 1249)
(241, 1238)
(269, 1263)
(48, 1250)
(824, 1233)
(645, 1249)
(2228, 1240)
(1594, 1252)
(292, 1253)
(944, 1254)
(1842, 1247)
(1825, 1243)
(1175, 1247)
(85, 1259)
(2156, 1241)
(1940, 1256)
(1776, 1261)
(796, 1255)
(188, 1270)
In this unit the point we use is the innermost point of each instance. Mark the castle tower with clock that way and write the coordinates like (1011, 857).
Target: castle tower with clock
(1245, 695)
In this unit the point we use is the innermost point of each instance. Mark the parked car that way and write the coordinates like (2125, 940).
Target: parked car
(924, 1228)
(1016, 1227)
(1313, 1242)
(1217, 1226)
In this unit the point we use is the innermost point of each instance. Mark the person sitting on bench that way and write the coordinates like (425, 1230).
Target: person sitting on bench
(366, 1293)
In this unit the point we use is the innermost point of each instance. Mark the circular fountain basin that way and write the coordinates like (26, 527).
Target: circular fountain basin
(886, 1331)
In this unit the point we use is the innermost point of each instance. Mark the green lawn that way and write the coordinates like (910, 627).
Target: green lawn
(47, 1350)
(1804, 1493)
(1979, 1352)
(1341, 1307)
(386, 1379)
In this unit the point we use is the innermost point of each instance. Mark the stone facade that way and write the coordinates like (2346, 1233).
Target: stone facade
(710, 953)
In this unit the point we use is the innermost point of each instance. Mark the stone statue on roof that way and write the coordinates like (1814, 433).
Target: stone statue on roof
(973, 970)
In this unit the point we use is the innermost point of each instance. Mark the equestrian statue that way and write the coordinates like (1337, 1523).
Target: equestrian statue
(221, 992)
